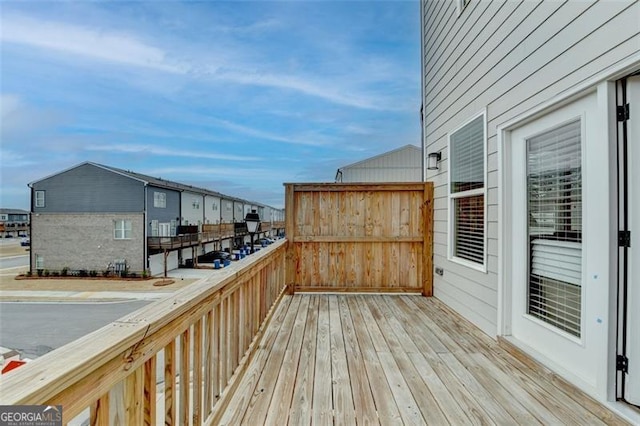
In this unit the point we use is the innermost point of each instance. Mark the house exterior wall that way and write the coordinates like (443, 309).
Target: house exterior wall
(163, 215)
(192, 208)
(238, 211)
(226, 210)
(267, 214)
(86, 241)
(402, 165)
(506, 58)
(211, 209)
(89, 188)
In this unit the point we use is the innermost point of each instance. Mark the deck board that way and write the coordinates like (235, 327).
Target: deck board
(372, 359)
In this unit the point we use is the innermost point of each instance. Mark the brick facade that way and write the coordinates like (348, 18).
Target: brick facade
(86, 241)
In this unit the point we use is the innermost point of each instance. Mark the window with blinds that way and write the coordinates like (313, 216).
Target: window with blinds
(554, 188)
(467, 191)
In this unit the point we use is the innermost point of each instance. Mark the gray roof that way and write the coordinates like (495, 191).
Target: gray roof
(13, 211)
(156, 181)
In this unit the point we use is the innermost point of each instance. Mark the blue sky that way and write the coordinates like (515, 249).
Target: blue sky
(234, 96)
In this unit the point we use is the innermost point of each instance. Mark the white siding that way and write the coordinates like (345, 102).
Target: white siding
(226, 210)
(401, 165)
(212, 210)
(507, 57)
(191, 208)
(238, 211)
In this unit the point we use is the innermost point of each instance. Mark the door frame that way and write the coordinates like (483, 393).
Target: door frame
(604, 386)
(627, 153)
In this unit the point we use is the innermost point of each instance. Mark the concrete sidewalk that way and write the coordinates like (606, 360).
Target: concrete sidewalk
(80, 296)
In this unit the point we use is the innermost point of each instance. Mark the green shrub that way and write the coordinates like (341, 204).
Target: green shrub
(46, 272)
(106, 273)
(28, 274)
(65, 271)
(83, 273)
(40, 271)
(55, 273)
(93, 273)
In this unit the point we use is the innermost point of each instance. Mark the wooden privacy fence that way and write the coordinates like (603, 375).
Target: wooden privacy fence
(195, 344)
(360, 237)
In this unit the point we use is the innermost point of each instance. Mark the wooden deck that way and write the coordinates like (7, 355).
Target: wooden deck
(370, 359)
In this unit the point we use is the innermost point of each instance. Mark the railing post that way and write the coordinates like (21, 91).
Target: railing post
(427, 245)
(290, 270)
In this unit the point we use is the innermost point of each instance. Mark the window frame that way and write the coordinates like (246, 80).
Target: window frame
(452, 197)
(577, 338)
(39, 261)
(159, 200)
(36, 198)
(124, 229)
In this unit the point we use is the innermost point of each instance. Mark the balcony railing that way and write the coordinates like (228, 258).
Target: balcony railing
(196, 343)
(210, 234)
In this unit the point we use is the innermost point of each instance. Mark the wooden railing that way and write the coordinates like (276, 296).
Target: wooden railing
(210, 233)
(197, 343)
(186, 240)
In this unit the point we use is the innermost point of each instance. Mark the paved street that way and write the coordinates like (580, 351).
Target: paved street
(14, 262)
(37, 328)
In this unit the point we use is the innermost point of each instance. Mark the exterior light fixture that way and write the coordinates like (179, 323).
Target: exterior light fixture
(433, 160)
(253, 222)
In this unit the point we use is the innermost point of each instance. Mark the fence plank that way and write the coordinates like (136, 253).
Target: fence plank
(290, 231)
(427, 250)
(358, 237)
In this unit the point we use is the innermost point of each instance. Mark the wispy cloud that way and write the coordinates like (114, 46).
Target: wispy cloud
(127, 49)
(261, 134)
(222, 172)
(158, 150)
(309, 85)
(242, 94)
(72, 39)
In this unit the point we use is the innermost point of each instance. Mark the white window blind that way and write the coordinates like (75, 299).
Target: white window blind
(467, 191)
(467, 157)
(469, 228)
(554, 186)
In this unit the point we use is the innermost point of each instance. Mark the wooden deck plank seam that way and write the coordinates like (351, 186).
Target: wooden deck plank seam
(399, 359)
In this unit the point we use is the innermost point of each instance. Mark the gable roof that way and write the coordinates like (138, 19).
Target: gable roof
(155, 181)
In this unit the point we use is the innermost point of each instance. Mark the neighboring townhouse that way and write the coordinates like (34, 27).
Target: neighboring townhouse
(403, 164)
(94, 217)
(14, 223)
(533, 109)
